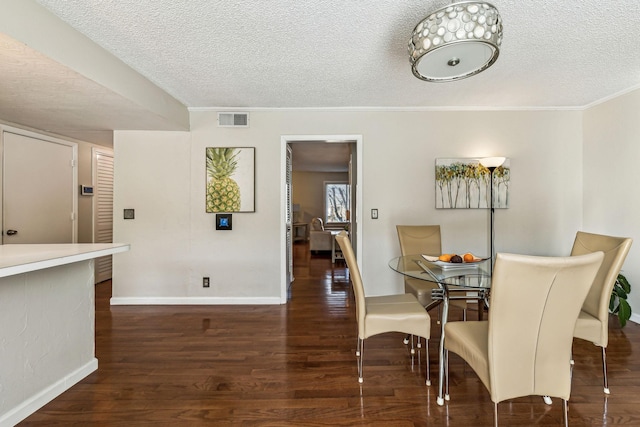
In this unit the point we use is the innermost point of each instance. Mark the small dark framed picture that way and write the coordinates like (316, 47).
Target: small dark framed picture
(223, 222)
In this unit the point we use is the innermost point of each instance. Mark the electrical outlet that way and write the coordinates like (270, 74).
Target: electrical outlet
(205, 282)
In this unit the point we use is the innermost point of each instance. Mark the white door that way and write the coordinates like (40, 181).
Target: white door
(39, 194)
(103, 208)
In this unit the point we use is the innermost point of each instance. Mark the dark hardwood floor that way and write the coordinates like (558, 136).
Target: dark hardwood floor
(294, 365)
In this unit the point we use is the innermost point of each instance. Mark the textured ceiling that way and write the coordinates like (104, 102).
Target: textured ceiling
(320, 156)
(251, 54)
(328, 53)
(56, 99)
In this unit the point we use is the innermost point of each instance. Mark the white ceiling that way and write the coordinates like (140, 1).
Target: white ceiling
(320, 156)
(328, 53)
(314, 54)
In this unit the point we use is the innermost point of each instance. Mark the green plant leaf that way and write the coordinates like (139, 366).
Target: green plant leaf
(624, 283)
(620, 293)
(624, 312)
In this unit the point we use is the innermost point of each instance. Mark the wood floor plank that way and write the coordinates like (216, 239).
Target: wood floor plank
(294, 365)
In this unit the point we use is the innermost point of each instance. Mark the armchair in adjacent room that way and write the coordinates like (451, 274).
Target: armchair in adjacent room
(319, 238)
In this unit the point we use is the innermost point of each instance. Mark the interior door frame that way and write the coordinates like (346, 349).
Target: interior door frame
(284, 141)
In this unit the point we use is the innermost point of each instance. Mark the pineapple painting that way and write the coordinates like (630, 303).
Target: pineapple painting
(225, 172)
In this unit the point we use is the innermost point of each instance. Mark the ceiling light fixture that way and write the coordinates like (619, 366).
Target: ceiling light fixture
(456, 42)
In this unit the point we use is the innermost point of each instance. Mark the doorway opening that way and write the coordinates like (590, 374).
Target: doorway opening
(317, 159)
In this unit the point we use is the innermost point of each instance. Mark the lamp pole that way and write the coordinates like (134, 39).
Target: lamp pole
(491, 233)
(491, 163)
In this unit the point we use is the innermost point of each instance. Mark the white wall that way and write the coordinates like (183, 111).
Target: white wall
(47, 339)
(152, 176)
(308, 191)
(174, 243)
(611, 174)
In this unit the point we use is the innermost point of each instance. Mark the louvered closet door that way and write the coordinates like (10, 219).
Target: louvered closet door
(103, 208)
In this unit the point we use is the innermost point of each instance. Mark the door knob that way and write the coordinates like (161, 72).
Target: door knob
(11, 232)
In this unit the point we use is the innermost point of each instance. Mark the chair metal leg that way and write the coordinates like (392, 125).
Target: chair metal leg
(443, 379)
(495, 414)
(426, 352)
(446, 374)
(409, 339)
(413, 345)
(566, 413)
(361, 346)
(358, 347)
(604, 370)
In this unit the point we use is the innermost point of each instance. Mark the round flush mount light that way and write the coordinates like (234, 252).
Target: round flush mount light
(456, 42)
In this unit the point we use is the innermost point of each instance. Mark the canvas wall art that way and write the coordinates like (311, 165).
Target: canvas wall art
(230, 179)
(465, 184)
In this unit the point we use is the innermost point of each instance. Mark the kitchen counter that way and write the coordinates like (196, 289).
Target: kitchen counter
(17, 259)
(47, 322)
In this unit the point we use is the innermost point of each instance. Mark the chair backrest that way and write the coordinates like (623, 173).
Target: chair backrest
(615, 251)
(356, 279)
(419, 239)
(317, 224)
(535, 302)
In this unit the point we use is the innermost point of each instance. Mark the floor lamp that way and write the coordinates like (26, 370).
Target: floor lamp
(491, 163)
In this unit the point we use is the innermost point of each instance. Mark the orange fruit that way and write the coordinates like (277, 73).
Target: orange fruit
(445, 257)
(468, 257)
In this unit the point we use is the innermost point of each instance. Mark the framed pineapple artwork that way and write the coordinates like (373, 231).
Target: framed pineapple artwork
(231, 181)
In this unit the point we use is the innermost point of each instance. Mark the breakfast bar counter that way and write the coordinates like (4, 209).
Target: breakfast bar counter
(47, 322)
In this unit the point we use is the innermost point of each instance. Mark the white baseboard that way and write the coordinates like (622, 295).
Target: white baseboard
(37, 401)
(635, 318)
(194, 301)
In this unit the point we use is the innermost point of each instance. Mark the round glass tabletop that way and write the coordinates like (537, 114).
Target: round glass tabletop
(474, 275)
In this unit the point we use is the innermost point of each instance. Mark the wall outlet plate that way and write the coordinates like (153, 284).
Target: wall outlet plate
(129, 213)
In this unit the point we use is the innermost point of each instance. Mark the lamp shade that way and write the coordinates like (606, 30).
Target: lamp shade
(456, 42)
(492, 162)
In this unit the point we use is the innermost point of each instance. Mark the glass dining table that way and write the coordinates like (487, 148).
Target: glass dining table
(467, 281)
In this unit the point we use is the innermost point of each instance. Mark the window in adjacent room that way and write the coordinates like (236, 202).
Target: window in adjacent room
(337, 199)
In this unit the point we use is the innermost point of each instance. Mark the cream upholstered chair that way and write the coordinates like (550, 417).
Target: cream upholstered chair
(425, 240)
(593, 321)
(525, 349)
(380, 314)
(319, 238)
(420, 239)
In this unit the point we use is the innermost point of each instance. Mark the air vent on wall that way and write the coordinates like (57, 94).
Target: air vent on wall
(233, 120)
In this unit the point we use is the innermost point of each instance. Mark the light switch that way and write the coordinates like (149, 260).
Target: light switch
(374, 213)
(129, 213)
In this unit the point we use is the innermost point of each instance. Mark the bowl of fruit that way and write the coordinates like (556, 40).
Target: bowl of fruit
(454, 260)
